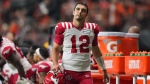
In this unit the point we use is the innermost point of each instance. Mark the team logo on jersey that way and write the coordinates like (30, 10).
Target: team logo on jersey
(7, 51)
(42, 66)
(67, 34)
(86, 32)
(87, 76)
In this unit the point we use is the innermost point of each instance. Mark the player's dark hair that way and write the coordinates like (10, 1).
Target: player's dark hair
(31, 53)
(25, 50)
(32, 50)
(44, 52)
(34, 47)
(82, 3)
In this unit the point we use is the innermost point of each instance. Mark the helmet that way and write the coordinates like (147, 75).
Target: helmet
(54, 78)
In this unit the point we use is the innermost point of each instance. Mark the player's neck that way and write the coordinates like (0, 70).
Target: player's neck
(78, 24)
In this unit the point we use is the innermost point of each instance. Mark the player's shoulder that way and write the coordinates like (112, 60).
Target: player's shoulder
(41, 62)
(7, 46)
(7, 42)
(91, 25)
(64, 24)
(6, 39)
(35, 65)
(44, 63)
(44, 66)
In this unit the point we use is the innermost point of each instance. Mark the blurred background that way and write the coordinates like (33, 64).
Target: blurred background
(28, 22)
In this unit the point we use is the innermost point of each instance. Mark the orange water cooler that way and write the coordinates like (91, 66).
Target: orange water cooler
(138, 65)
(130, 43)
(112, 42)
(116, 68)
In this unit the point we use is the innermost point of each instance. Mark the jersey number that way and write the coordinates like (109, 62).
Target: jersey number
(83, 47)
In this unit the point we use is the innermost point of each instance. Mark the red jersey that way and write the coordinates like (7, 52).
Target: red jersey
(77, 44)
(42, 66)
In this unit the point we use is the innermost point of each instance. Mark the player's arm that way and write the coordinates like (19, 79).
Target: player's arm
(98, 57)
(96, 51)
(58, 41)
(42, 76)
(2, 61)
(33, 78)
(55, 53)
(15, 60)
(42, 69)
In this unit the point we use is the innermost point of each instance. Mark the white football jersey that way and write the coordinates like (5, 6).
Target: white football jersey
(8, 47)
(77, 43)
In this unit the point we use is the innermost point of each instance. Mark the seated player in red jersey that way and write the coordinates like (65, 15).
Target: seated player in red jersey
(31, 52)
(42, 64)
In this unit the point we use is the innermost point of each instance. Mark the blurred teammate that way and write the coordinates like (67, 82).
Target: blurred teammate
(31, 53)
(12, 54)
(77, 38)
(144, 43)
(42, 64)
(10, 73)
(134, 29)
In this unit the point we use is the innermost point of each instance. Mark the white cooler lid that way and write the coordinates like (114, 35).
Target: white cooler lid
(120, 34)
(132, 35)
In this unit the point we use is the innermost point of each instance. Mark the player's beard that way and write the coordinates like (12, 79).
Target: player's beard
(79, 19)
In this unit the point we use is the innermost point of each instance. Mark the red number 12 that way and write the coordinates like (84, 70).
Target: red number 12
(83, 47)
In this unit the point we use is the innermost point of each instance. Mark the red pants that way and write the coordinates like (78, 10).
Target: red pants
(73, 77)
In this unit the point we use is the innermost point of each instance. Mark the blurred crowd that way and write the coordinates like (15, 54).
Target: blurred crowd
(28, 22)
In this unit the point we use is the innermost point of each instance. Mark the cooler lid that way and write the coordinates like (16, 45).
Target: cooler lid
(120, 34)
(132, 35)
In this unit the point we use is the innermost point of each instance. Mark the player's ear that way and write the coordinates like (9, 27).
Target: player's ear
(38, 58)
(73, 12)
